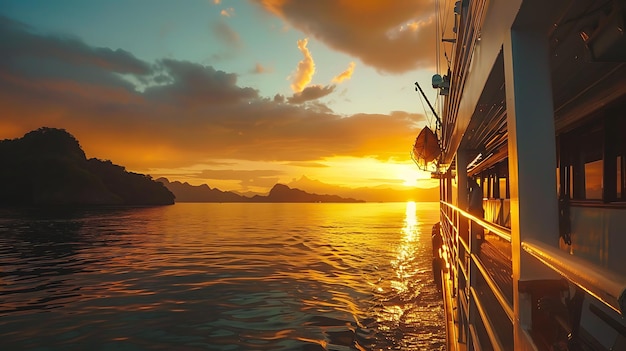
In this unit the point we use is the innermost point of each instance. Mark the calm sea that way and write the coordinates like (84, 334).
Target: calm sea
(220, 277)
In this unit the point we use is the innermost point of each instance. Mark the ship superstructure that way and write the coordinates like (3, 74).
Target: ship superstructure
(534, 110)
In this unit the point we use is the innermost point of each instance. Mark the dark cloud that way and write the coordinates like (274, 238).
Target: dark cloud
(313, 92)
(278, 98)
(19, 42)
(393, 36)
(198, 85)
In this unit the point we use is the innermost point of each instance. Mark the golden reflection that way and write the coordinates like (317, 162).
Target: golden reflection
(403, 265)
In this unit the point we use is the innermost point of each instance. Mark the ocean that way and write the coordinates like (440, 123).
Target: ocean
(232, 276)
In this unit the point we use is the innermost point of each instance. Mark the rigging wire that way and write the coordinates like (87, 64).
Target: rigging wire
(427, 114)
(437, 35)
(447, 10)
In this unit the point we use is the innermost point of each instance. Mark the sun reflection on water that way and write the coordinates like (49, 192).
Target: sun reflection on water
(406, 250)
(409, 299)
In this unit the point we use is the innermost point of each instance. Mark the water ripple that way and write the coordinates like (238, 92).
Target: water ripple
(220, 277)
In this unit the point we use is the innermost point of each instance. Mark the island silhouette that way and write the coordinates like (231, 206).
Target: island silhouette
(47, 166)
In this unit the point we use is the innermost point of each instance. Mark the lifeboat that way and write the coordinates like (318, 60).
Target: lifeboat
(426, 148)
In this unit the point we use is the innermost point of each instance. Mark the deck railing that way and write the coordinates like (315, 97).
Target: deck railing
(470, 299)
(606, 286)
(601, 283)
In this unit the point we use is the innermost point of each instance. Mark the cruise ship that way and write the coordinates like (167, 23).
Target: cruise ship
(531, 121)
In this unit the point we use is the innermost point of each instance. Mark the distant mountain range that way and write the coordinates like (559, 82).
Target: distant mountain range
(377, 194)
(186, 192)
(301, 190)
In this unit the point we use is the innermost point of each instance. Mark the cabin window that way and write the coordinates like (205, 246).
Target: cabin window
(593, 180)
(591, 160)
(569, 181)
(502, 187)
(620, 178)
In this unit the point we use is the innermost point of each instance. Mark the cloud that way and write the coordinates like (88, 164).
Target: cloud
(187, 114)
(392, 38)
(305, 70)
(224, 33)
(308, 164)
(245, 178)
(259, 69)
(195, 85)
(345, 74)
(232, 174)
(18, 41)
(278, 98)
(229, 12)
(311, 93)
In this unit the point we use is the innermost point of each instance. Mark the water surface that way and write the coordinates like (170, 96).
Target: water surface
(220, 277)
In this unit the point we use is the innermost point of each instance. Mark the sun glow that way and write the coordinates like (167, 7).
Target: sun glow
(366, 171)
(410, 175)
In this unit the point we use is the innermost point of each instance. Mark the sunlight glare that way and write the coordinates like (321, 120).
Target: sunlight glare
(409, 175)
(411, 218)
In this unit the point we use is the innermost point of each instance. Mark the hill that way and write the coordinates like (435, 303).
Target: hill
(48, 167)
(368, 194)
(282, 193)
(186, 192)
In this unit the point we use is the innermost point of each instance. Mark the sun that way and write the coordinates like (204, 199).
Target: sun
(409, 175)
(409, 182)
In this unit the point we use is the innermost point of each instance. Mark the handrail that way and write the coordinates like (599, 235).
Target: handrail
(607, 286)
(464, 271)
(463, 300)
(489, 327)
(500, 231)
(497, 292)
(464, 244)
(447, 217)
(475, 340)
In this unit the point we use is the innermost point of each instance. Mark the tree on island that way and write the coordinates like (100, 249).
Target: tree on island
(48, 167)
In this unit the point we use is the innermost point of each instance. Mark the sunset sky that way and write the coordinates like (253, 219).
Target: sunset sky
(236, 94)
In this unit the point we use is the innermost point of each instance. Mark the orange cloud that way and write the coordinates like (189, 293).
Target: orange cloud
(229, 12)
(369, 29)
(259, 68)
(305, 70)
(345, 74)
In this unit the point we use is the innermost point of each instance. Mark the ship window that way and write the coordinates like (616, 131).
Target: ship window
(571, 184)
(558, 181)
(502, 187)
(592, 159)
(620, 177)
(593, 180)
(588, 165)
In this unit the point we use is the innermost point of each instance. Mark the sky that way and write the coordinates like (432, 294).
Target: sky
(236, 94)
